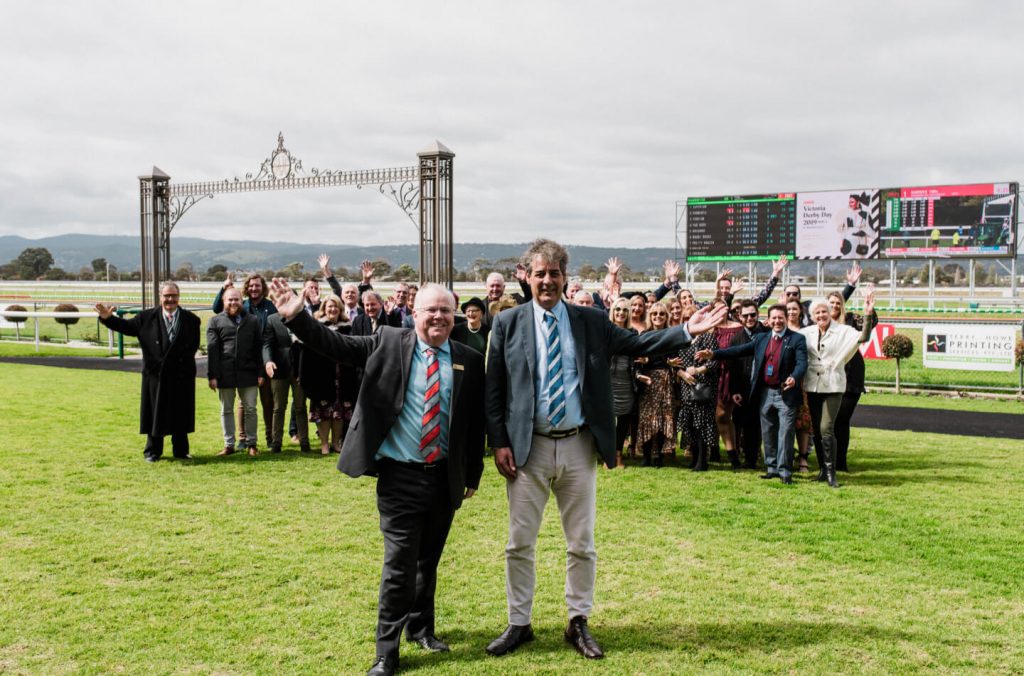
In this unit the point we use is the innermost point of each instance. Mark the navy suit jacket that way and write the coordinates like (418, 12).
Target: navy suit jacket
(512, 365)
(793, 363)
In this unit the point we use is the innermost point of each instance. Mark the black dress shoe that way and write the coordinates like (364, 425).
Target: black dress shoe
(384, 666)
(152, 458)
(514, 636)
(788, 480)
(769, 475)
(431, 643)
(187, 456)
(579, 636)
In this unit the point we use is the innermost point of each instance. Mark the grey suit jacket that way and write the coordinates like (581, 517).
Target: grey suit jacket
(386, 357)
(512, 365)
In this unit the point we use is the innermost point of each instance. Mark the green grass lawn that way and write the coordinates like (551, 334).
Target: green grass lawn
(271, 564)
(8, 349)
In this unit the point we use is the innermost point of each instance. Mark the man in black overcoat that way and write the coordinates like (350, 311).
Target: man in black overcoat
(169, 338)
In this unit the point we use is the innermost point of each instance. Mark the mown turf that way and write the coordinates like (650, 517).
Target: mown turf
(271, 565)
(8, 349)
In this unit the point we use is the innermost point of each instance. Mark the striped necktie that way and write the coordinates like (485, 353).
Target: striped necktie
(430, 436)
(170, 319)
(556, 388)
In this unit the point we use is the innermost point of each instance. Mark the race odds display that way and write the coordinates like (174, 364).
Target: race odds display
(949, 221)
(954, 221)
(748, 227)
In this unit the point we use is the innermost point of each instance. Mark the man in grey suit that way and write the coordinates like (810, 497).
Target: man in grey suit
(418, 427)
(549, 417)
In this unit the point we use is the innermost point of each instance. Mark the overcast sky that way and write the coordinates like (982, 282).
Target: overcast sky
(584, 121)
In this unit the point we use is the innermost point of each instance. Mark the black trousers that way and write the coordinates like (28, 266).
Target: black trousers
(747, 419)
(842, 428)
(415, 516)
(155, 445)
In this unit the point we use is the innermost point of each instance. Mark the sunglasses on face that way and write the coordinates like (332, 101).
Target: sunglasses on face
(747, 315)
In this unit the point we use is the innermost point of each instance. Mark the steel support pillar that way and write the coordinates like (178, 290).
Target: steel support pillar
(155, 234)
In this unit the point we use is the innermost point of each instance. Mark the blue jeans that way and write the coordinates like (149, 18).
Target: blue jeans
(778, 425)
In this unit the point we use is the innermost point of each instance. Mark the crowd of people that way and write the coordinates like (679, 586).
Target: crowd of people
(401, 389)
(710, 402)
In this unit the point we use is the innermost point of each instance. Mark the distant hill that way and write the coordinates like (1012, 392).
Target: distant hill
(72, 252)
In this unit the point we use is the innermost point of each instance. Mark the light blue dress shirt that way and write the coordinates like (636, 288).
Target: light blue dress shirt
(570, 375)
(403, 442)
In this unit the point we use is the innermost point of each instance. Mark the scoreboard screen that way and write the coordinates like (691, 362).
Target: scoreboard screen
(744, 227)
(950, 221)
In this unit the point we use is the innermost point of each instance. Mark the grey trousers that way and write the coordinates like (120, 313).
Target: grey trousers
(247, 395)
(778, 427)
(567, 468)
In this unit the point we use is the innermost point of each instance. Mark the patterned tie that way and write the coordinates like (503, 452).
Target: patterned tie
(430, 437)
(170, 327)
(556, 389)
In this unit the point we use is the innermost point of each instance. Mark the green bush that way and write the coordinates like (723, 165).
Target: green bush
(18, 321)
(898, 346)
(66, 321)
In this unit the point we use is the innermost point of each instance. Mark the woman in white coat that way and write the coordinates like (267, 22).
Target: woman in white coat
(829, 346)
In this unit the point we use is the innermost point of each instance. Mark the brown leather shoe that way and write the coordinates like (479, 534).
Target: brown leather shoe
(228, 450)
(579, 636)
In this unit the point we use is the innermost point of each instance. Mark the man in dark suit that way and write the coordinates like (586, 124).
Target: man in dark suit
(746, 416)
(374, 316)
(780, 361)
(549, 417)
(281, 364)
(169, 338)
(418, 426)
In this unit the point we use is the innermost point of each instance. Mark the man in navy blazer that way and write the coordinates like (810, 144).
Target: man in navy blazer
(549, 419)
(418, 427)
(780, 361)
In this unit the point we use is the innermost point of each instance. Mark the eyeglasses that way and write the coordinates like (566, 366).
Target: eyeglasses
(747, 315)
(443, 311)
(792, 293)
(621, 309)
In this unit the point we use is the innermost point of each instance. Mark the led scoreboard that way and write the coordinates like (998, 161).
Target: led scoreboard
(745, 227)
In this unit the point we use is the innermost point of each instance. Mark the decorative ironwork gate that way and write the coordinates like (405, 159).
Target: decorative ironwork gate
(424, 189)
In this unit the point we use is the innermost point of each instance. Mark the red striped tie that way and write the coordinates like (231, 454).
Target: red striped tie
(430, 437)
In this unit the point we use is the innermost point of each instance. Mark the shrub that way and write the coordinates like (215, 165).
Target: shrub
(66, 321)
(18, 321)
(898, 346)
(1018, 353)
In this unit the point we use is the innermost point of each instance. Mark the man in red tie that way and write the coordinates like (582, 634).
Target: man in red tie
(780, 361)
(420, 430)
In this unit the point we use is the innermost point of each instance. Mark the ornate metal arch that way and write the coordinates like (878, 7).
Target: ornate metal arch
(423, 192)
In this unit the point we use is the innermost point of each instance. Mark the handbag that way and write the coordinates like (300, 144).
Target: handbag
(703, 393)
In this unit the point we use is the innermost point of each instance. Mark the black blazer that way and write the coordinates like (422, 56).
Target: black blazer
(168, 369)
(277, 347)
(793, 363)
(363, 326)
(234, 353)
(739, 369)
(511, 364)
(386, 357)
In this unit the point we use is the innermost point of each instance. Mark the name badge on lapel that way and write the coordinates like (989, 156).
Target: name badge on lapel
(458, 367)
